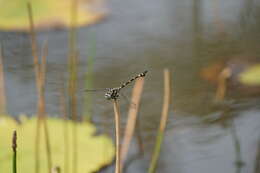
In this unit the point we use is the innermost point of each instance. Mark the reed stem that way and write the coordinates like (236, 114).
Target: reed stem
(117, 127)
(40, 85)
(164, 117)
(132, 118)
(222, 84)
(36, 68)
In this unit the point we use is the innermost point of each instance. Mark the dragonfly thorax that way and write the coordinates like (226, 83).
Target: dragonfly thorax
(112, 93)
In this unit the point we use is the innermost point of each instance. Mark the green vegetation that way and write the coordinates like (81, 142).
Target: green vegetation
(46, 144)
(94, 151)
(251, 76)
(14, 15)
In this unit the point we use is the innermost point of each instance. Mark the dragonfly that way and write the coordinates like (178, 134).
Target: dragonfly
(113, 93)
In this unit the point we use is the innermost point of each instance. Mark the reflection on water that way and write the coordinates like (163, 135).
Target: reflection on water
(205, 148)
(150, 35)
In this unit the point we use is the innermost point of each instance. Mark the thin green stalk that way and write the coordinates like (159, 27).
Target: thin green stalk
(14, 146)
(2, 85)
(43, 109)
(73, 55)
(37, 145)
(75, 146)
(117, 127)
(73, 112)
(164, 117)
(65, 129)
(156, 152)
(89, 79)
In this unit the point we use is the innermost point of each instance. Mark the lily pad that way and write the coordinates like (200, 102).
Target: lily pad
(251, 76)
(47, 14)
(93, 153)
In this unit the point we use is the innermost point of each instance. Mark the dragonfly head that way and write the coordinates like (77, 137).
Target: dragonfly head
(112, 93)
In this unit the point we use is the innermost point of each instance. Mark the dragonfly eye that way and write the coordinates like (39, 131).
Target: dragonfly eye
(108, 96)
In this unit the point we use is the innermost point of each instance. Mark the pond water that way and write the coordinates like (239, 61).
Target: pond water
(184, 36)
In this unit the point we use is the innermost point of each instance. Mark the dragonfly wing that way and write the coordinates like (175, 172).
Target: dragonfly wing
(96, 90)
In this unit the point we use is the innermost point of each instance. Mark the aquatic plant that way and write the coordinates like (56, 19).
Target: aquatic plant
(14, 15)
(94, 151)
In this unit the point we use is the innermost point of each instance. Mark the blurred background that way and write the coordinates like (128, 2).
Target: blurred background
(188, 37)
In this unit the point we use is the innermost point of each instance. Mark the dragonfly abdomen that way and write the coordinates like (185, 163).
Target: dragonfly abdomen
(134, 78)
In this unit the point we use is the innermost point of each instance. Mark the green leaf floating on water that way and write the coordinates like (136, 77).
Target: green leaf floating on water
(251, 76)
(94, 152)
(47, 13)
